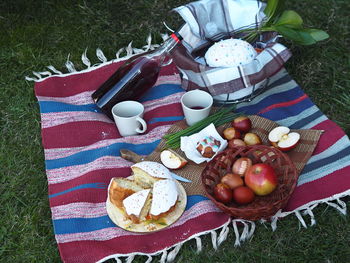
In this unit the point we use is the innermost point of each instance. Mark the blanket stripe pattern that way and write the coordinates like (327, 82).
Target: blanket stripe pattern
(81, 147)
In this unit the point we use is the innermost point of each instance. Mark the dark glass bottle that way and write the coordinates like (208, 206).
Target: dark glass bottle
(134, 77)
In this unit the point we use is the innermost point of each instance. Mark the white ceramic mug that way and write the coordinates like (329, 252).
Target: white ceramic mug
(196, 105)
(128, 118)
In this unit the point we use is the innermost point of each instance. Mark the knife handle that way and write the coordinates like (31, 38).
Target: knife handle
(131, 156)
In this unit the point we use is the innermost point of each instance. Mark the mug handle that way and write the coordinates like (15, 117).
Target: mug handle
(143, 124)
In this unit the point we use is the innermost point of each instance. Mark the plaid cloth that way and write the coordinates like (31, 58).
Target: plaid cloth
(82, 146)
(203, 27)
(237, 81)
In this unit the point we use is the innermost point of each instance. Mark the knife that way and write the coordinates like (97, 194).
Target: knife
(180, 178)
(135, 158)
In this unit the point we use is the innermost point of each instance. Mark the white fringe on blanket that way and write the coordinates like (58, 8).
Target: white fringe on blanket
(169, 254)
(243, 229)
(130, 51)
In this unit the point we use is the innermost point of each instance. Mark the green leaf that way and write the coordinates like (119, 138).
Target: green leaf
(291, 19)
(317, 34)
(273, 8)
(301, 37)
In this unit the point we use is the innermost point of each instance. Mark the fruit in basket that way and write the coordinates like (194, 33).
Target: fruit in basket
(242, 123)
(172, 160)
(251, 138)
(284, 140)
(241, 166)
(223, 193)
(235, 142)
(243, 195)
(261, 178)
(232, 180)
(231, 133)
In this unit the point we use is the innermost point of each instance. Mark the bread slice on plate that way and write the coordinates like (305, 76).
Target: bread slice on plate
(120, 188)
(137, 205)
(164, 197)
(147, 173)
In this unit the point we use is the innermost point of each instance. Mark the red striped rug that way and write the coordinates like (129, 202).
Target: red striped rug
(82, 154)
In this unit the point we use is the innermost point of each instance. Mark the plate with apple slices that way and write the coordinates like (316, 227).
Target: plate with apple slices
(251, 182)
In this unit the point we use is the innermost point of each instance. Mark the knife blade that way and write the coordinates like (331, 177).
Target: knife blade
(180, 178)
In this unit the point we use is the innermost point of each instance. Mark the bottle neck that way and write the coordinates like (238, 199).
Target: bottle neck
(170, 43)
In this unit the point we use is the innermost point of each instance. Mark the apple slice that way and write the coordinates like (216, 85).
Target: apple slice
(284, 140)
(172, 160)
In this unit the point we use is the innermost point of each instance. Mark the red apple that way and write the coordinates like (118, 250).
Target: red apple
(235, 142)
(172, 160)
(281, 138)
(261, 178)
(243, 195)
(232, 180)
(251, 139)
(223, 193)
(231, 133)
(242, 123)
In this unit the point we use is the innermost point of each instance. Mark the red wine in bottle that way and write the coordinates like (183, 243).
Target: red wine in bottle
(134, 77)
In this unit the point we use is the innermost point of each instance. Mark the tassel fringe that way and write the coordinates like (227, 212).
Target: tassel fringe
(247, 233)
(224, 233)
(164, 256)
(130, 258)
(54, 70)
(199, 244)
(340, 205)
(130, 51)
(214, 237)
(85, 59)
(174, 252)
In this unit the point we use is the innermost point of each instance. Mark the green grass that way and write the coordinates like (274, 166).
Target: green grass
(35, 34)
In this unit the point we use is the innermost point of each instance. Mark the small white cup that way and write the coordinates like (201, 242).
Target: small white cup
(196, 105)
(128, 118)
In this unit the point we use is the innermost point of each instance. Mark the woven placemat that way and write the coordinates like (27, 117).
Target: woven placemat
(261, 126)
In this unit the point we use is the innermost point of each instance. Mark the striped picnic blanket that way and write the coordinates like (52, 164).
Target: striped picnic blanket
(82, 154)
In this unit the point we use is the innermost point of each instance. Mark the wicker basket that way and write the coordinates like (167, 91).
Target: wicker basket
(263, 207)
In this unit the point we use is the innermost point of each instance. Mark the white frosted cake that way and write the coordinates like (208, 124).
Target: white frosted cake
(164, 197)
(230, 53)
(135, 205)
(147, 173)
